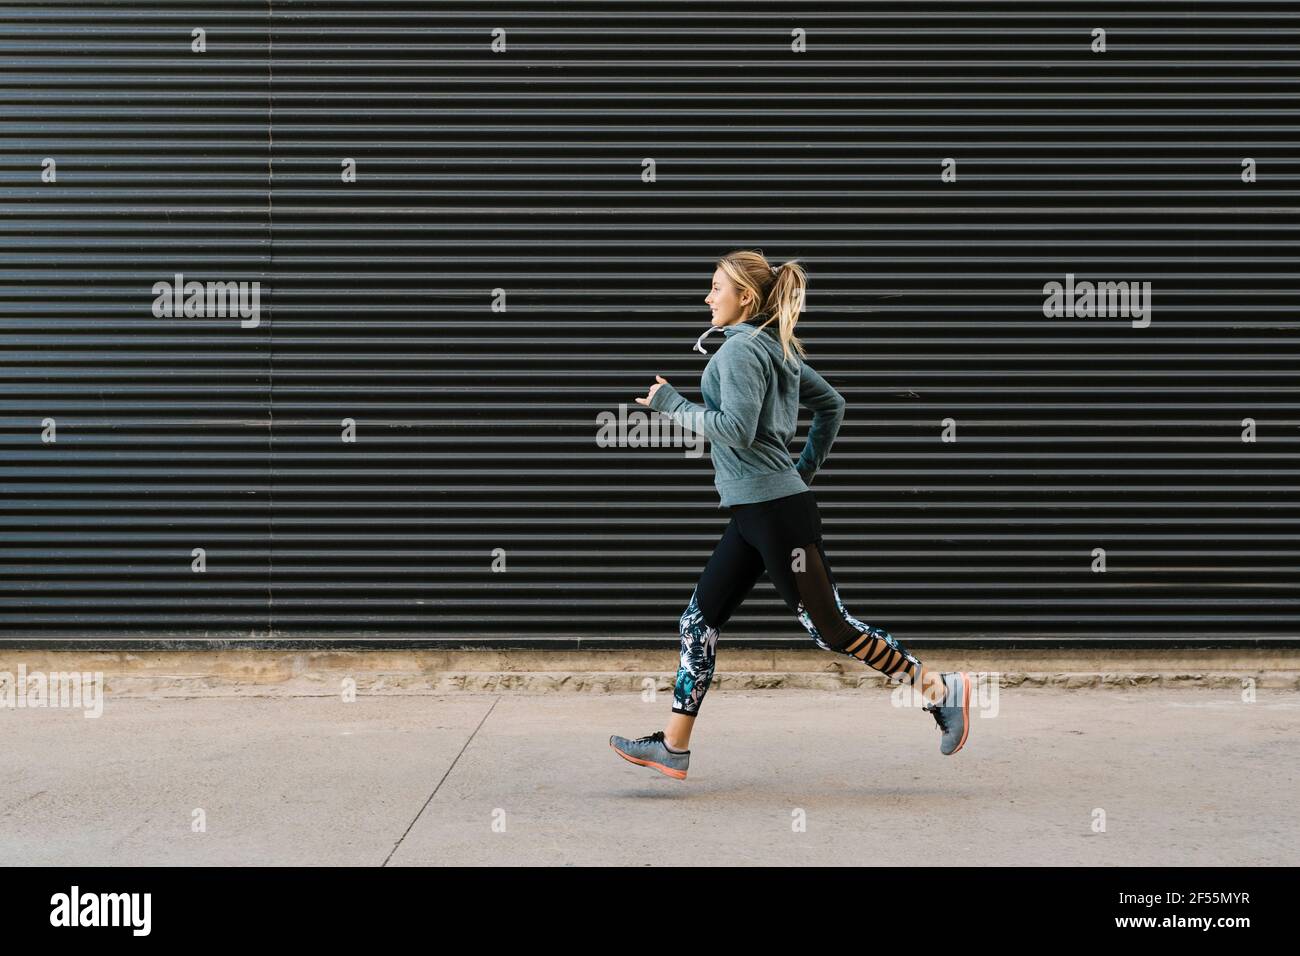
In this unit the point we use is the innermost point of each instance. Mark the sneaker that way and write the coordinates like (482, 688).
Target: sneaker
(652, 752)
(953, 714)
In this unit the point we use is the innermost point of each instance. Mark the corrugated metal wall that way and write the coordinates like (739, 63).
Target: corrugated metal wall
(518, 174)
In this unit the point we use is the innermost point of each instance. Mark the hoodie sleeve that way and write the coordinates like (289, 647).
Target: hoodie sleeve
(742, 384)
(828, 412)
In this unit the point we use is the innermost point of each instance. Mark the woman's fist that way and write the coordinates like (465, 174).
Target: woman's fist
(659, 380)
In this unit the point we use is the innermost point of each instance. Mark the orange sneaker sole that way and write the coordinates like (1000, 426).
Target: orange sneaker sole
(965, 712)
(666, 771)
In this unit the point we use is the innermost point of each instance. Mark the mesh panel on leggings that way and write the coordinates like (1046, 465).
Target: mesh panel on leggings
(824, 616)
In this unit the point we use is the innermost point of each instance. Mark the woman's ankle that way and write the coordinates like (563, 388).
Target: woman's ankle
(933, 689)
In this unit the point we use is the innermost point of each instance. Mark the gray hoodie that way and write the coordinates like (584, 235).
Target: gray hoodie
(751, 405)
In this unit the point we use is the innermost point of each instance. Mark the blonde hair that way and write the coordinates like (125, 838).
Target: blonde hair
(777, 292)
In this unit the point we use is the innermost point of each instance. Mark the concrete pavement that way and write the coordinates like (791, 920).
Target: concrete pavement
(787, 777)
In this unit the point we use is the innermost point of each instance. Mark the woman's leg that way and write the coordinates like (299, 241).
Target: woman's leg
(788, 534)
(730, 574)
(824, 616)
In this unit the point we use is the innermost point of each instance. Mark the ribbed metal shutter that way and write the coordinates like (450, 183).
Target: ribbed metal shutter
(522, 171)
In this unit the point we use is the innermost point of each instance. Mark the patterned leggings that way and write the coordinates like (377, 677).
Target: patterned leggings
(782, 536)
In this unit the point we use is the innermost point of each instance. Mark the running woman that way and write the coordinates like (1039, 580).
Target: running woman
(752, 388)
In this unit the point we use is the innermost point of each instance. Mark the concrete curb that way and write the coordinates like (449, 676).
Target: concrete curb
(276, 673)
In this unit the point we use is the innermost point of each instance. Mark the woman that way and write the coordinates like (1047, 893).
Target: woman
(752, 389)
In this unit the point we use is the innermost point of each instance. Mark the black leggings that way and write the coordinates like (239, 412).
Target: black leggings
(783, 537)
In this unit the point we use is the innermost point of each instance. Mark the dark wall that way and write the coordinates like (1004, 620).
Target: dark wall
(523, 171)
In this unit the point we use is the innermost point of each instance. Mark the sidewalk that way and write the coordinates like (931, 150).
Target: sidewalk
(1184, 776)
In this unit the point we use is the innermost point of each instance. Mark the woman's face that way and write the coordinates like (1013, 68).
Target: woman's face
(723, 300)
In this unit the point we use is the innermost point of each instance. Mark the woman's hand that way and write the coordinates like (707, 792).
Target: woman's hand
(659, 380)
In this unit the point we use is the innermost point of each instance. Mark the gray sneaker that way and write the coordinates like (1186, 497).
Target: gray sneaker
(652, 752)
(953, 714)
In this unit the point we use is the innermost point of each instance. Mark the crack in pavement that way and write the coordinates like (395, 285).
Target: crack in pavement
(450, 767)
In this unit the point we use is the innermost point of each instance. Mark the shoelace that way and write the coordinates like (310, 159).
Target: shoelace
(938, 719)
(658, 735)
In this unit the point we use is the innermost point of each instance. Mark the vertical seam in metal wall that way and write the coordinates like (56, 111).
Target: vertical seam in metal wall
(270, 320)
